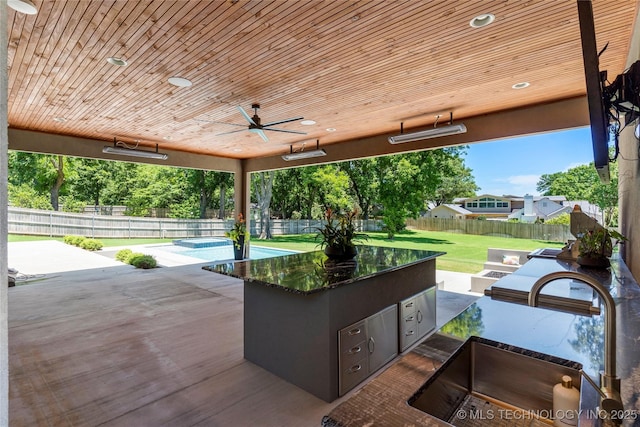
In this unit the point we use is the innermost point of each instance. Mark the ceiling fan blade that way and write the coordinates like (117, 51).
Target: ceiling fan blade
(293, 119)
(287, 131)
(219, 123)
(262, 134)
(232, 131)
(246, 116)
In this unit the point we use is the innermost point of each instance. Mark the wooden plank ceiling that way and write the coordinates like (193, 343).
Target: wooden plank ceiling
(357, 68)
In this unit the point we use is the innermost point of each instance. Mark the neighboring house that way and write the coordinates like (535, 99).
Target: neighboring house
(542, 209)
(487, 205)
(448, 211)
(526, 209)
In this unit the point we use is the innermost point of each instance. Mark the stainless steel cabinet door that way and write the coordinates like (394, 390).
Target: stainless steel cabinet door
(382, 342)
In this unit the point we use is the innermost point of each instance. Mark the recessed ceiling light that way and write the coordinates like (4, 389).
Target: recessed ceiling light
(167, 138)
(23, 6)
(331, 129)
(120, 62)
(179, 81)
(482, 20)
(520, 85)
(59, 119)
(237, 150)
(308, 122)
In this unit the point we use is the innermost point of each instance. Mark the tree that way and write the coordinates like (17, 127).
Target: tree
(576, 183)
(42, 171)
(91, 178)
(456, 179)
(363, 183)
(263, 185)
(406, 181)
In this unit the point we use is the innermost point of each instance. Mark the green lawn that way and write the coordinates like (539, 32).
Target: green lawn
(465, 253)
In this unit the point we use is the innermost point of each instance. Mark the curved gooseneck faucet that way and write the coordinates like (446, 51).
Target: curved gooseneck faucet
(609, 382)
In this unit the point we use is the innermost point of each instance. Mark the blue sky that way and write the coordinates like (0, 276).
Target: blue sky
(514, 166)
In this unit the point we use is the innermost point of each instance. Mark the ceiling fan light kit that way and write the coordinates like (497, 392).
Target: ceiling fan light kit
(434, 132)
(133, 152)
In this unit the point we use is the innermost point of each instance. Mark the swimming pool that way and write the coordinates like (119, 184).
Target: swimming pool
(220, 253)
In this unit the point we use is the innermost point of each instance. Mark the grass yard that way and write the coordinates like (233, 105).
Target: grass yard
(465, 253)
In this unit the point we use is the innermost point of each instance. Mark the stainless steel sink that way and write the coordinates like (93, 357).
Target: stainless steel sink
(484, 379)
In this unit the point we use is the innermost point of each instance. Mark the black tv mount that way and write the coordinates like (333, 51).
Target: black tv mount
(623, 94)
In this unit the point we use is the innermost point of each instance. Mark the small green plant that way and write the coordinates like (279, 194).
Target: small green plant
(73, 240)
(143, 261)
(239, 230)
(123, 255)
(599, 243)
(339, 232)
(91, 244)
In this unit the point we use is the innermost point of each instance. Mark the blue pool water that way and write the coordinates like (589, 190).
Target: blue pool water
(220, 253)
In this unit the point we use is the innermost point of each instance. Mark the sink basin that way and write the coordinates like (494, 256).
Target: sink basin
(488, 377)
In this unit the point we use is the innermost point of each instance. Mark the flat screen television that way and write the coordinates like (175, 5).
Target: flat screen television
(598, 112)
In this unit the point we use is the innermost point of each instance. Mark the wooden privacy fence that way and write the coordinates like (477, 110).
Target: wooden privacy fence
(547, 232)
(56, 224)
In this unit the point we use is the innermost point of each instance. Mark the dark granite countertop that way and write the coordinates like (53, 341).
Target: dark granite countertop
(383, 401)
(310, 272)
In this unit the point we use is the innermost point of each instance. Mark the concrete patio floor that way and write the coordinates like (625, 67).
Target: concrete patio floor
(112, 345)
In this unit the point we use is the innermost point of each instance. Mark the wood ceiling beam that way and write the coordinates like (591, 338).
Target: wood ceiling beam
(45, 143)
(564, 114)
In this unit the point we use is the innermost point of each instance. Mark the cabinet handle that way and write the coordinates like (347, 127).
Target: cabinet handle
(420, 317)
(355, 350)
(408, 305)
(355, 368)
(355, 331)
(371, 345)
(409, 319)
(409, 333)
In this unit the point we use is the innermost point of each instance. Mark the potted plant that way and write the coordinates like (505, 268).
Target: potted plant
(239, 235)
(338, 236)
(596, 246)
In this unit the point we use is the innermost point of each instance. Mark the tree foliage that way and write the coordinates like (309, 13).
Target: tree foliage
(391, 187)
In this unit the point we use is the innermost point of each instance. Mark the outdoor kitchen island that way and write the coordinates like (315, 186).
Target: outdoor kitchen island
(324, 325)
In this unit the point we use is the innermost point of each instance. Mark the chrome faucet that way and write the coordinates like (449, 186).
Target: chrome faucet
(610, 400)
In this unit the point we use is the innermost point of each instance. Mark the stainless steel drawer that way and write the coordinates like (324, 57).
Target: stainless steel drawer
(351, 354)
(352, 335)
(353, 374)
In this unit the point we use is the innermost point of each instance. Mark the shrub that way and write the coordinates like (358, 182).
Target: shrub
(73, 240)
(69, 204)
(564, 219)
(24, 196)
(123, 255)
(91, 244)
(142, 261)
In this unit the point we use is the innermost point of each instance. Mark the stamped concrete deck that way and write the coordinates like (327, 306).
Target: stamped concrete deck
(105, 344)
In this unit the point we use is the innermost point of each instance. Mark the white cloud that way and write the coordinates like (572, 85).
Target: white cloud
(523, 180)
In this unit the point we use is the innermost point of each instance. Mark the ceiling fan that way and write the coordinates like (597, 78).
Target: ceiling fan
(256, 126)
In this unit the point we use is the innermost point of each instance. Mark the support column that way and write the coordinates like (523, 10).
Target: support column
(4, 202)
(242, 196)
